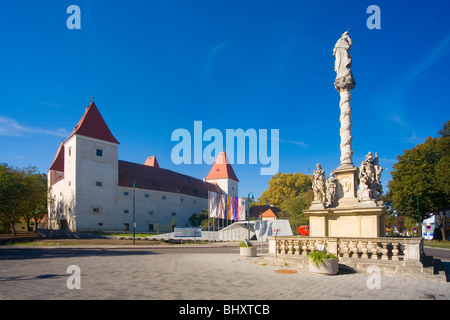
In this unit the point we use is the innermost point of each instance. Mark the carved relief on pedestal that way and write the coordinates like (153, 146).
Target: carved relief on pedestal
(346, 185)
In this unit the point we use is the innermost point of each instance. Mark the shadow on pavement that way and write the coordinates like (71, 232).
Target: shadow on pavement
(48, 253)
(41, 276)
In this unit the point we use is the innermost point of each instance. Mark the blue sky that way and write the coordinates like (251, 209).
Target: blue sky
(156, 66)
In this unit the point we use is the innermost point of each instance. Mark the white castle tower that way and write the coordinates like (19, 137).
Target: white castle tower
(223, 174)
(84, 174)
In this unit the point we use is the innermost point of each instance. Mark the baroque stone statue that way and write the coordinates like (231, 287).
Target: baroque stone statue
(331, 189)
(343, 62)
(369, 178)
(318, 184)
(377, 188)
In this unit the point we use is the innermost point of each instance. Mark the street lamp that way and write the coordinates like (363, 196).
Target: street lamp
(248, 212)
(419, 227)
(134, 216)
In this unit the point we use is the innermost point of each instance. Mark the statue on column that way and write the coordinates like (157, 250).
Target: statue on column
(318, 184)
(343, 62)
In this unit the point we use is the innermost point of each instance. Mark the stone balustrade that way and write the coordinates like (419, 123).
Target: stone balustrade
(382, 248)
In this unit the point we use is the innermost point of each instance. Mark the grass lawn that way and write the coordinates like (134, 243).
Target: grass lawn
(140, 235)
(436, 244)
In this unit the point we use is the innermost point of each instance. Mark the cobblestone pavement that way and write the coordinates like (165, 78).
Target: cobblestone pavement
(149, 273)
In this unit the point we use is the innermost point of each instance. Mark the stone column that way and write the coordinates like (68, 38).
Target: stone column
(346, 130)
(346, 173)
(343, 86)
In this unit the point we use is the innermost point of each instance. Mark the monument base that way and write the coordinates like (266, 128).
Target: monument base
(347, 216)
(357, 221)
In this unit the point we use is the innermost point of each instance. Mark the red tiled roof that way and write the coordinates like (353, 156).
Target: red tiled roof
(222, 169)
(58, 162)
(152, 162)
(92, 125)
(264, 210)
(155, 178)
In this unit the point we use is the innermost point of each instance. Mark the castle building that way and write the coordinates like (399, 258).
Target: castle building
(90, 189)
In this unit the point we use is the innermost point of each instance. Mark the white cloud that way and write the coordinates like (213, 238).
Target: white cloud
(395, 118)
(413, 139)
(10, 127)
(210, 63)
(439, 52)
(297, 143)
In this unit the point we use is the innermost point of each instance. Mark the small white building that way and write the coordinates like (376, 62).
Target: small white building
(92, 190)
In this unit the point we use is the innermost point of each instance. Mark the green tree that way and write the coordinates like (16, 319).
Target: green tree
(291, 192)
(445, 132)
(409, 224)
(293, 209)
(13, 193)
(423, 171)
(390, 216)
(35, 206)
(285, 186)
(23, 195)
(197, 219)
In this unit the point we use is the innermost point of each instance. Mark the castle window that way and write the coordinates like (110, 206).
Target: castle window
(125, 193)
(163, 197)
(174, 213)
(126, 227)
(181, 199)
(99, 152)
(96, 210)
(126, 211)
(70, 152)
(147, 195)
(100, 224)
(150, 213)
(150, 227)
(98, 183)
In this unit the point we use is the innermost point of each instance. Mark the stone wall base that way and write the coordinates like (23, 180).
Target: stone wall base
(409, 269)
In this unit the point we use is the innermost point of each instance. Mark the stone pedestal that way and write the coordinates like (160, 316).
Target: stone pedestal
(346, 186)
(356, 221)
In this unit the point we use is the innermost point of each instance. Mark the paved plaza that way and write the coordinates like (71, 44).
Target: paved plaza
(208, 272)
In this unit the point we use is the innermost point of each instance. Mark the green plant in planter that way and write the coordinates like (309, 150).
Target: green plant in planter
(318, 257)
(245, 244)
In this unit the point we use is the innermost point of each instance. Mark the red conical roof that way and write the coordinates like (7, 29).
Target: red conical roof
(92, 125)
(222, 169)
(151, 162)
(58, 162)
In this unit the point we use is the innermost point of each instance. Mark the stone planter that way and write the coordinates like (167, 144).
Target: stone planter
(328, 267)
(248, 251)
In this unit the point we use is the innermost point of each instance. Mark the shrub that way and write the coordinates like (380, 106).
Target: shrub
(318, 257)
